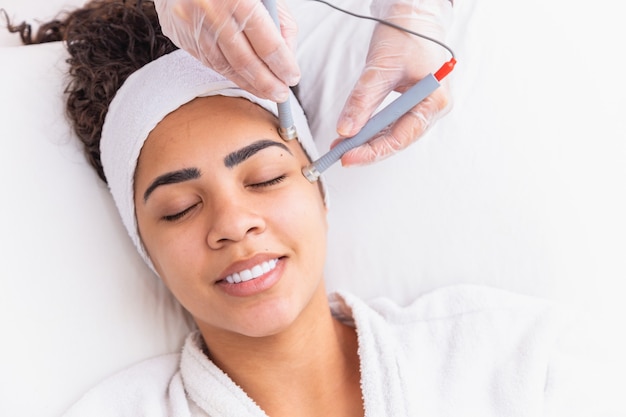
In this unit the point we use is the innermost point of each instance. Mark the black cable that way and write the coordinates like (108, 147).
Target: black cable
(393, 25)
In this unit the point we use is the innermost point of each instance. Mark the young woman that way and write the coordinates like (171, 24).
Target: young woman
(216, 203)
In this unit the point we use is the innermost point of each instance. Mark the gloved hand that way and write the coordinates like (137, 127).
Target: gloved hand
(238, 39)
(396, 61)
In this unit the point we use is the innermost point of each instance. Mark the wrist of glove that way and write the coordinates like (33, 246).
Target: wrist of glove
(436, 12)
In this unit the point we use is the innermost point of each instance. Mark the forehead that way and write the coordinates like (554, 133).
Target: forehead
(211, 127)
(215, 117)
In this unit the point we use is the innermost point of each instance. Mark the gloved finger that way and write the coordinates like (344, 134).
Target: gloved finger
(288, 27)
(405, 131)
(276, 47)
(266, 41)
(244, 67)
(234, 55)
(237, 38)
(395, 62)
(369, 92)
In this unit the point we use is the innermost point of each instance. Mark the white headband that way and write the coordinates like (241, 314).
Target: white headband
(144, 99)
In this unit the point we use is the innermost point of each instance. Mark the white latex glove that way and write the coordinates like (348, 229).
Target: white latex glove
(238, 39)
(396, 61)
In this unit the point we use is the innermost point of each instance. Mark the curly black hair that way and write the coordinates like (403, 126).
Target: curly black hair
(107, 40)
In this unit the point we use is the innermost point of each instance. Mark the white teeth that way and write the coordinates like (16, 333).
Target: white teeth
(246, 275)
(255, 272)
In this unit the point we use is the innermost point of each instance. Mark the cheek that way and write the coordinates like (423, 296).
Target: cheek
(168, 252)
(301, 215)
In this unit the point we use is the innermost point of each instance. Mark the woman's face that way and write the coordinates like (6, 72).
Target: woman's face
(231, 225)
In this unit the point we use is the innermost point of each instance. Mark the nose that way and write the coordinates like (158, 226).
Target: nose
(233, 220)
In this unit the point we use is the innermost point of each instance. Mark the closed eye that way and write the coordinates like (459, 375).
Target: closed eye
(179, 215)
(269, 183)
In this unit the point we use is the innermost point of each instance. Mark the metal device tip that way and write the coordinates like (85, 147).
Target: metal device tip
(311, 173)
(288, 133)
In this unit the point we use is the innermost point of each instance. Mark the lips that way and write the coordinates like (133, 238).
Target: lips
(252, 272)
(253, 276)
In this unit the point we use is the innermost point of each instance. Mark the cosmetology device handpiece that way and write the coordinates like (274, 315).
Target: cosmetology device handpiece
(380, 121)
(287, 128)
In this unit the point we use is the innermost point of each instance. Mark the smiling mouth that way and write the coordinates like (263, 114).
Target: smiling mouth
(252, 273)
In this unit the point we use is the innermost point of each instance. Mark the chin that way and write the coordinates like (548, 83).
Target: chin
(268, 322)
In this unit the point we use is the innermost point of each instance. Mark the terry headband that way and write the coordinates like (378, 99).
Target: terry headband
(143, 100)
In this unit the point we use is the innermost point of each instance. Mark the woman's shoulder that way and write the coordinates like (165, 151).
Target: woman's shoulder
(450, 302)
(132, 391)
(459, 342)
(451, 311)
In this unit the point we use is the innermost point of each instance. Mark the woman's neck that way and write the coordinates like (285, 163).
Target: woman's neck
(310, 369)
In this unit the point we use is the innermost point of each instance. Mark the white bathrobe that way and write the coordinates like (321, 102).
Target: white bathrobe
(458, 351)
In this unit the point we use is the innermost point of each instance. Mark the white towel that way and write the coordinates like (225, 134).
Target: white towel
(145, 98)
(470, 351)
(458, 351)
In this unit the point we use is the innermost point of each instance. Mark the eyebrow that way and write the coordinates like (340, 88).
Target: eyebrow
(231, 160)
(173, 177)
(246, 152)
